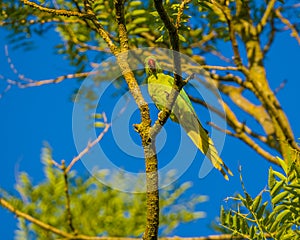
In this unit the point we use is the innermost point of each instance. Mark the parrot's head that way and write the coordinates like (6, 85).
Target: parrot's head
(152, 66)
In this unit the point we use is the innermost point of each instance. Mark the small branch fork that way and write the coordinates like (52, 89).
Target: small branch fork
(88, 147)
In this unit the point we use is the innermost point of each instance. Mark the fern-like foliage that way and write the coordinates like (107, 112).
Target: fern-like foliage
(276, 218)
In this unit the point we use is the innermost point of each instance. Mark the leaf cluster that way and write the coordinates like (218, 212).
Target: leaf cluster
(276, 218)
(96, 209)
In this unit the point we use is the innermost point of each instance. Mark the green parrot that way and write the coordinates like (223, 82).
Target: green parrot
(159, 88)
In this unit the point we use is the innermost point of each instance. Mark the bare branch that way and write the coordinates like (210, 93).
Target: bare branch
(41, 21)
(208, 106)
(246, 139)
(88, 147)
(264, 19)
(13, 67)
(237, 57)
(241, 130)
(59, 79)
(271, 36)
(60, 12)
(280, 87)
(68, 202)
(284, 20)
(8, 87)
(209, 67)
(258, 112)
(229, 78)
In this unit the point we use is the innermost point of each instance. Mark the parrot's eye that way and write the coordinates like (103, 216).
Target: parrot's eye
(151, 63)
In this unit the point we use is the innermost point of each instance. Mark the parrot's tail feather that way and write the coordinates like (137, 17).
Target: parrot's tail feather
(206, 146)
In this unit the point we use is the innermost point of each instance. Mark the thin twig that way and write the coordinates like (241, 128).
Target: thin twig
(271, 36)
(13, 68)
(88, 147)
(39, 21)
(68, 202)
(233, 122)
(237, 57)
(280, 87)
(8, 87)
(228, 78)
(264, 19)
(246, 139)
(284, 20)
(49, 81)
(221, 68)
(59, 12)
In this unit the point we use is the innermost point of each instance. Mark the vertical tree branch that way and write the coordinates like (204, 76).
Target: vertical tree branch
(265, 17)
(152, 214)
(178, 83)
(68, 202)
(174, 40)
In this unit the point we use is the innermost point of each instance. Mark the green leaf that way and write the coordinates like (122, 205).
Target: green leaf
(140, 30)
(279, 197)
(280, 175)
(252, 231)
(97, 115)
(256, 203)
(160, 39)
(154, 14)
(139, 20)
(134, 3)
(99, 125)
(261, 210)
(138, 12)
(276, 188)
(249, 200)
(279, 208)
(181, 38)
(235, 222)
(289, 236)
(283, 165)
(278, 219)
(271, 178)
(228, 219)
(222, 215)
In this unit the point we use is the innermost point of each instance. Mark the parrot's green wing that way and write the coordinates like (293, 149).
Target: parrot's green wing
(159, 88)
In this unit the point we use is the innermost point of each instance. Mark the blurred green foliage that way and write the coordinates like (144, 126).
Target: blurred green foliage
(96, 209)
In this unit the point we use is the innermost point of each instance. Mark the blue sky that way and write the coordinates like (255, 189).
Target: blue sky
(34, 115)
